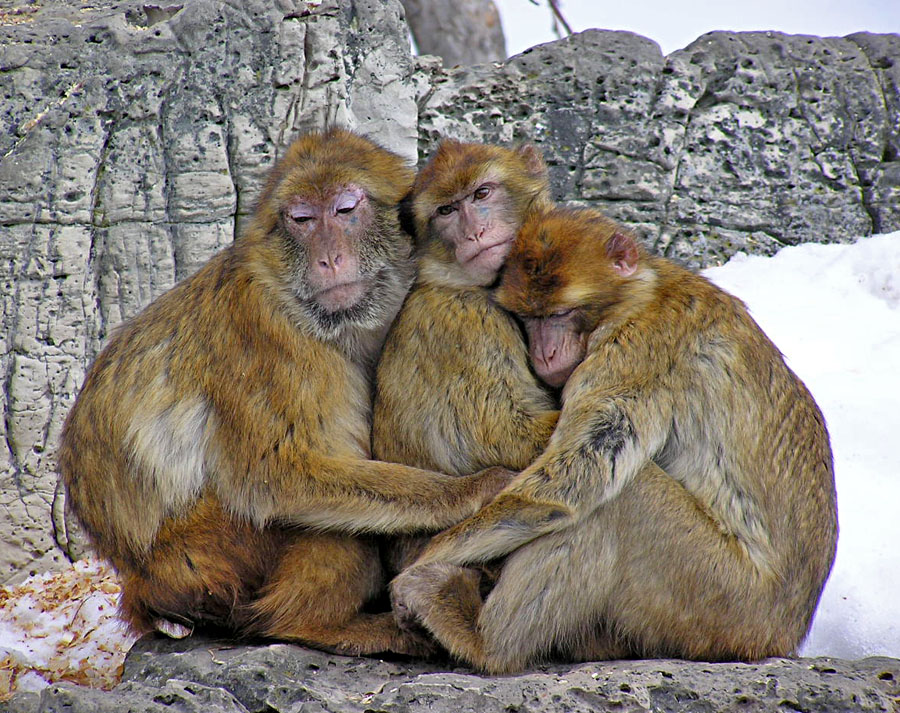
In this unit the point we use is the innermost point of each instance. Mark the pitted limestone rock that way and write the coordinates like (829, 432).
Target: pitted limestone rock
(198, 674)
(133, 139)
(741, 141)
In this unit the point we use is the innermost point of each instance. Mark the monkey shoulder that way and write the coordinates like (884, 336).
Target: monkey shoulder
(455, 321)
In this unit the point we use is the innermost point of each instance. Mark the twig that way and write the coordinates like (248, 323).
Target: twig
(558, 16)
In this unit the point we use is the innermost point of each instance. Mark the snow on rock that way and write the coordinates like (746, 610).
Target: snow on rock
(62, 626)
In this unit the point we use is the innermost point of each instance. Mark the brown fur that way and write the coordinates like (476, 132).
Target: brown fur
(452, 354)
(717, 551)
(218, 453)
(454, 391)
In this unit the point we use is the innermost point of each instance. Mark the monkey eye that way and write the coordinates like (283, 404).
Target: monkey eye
(482, 192)
(299, 214)
(446, 209)
(347, 204)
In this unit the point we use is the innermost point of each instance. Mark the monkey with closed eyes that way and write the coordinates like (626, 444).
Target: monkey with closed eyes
(218, 453)
(685, 503)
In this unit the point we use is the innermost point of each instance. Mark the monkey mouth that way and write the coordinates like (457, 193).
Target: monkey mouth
(342, 297)
(494, 249)
(555, 377)
(491, 256)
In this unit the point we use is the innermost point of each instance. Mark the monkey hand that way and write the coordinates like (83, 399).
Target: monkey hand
(416, 643)
(493, 480)
(419, 590)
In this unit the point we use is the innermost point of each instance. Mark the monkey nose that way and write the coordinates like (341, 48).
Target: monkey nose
(545, 355)
(332, 262)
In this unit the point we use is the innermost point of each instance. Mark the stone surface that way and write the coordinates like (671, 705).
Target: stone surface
(205, 675)
(741, 141)
(133, 140)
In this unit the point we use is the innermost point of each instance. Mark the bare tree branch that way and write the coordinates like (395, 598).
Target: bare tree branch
(558, 17)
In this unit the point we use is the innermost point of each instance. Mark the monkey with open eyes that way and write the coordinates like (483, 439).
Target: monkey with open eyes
(685, 504)
(454, 390)
(218, 453)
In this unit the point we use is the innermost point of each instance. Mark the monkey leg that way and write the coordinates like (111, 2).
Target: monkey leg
(535, 603)
(685, 588)
(202, 570)
(447, 600)
(316, 593)
(206, 569)
(648, 574)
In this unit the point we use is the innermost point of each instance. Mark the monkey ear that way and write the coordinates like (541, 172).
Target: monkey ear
(405, 212)
(623, 253)
(534, 160)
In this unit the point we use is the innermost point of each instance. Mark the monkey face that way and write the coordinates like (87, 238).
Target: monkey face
(557, 344)
(568, 272)
(479, 226)
(346, 252)
(327, 229)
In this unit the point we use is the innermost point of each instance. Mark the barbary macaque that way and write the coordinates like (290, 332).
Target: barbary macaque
(454, 391)
(219, 451)
(685, 505)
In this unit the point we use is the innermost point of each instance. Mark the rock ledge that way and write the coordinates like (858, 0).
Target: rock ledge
(199, 674)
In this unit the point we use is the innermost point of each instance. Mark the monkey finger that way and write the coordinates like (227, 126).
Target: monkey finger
(402, 601)
(494, 480)
(417, 642)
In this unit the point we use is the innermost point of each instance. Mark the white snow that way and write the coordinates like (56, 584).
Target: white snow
(62, 626)
(833, 310)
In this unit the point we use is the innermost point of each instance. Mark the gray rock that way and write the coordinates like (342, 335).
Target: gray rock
(741, 141)
(133, 140)
(174, 694)
(202, 674)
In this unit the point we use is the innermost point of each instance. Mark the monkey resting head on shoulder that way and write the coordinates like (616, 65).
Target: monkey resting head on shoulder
(454, 391)
(685, 505)
(218, 453)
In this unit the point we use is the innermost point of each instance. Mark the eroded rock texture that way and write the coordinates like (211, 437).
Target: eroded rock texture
(741, 141)
(215, 677)
(133, 139)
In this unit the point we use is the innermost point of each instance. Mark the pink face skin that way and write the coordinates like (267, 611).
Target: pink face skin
(330, 230)
(481, 227)
(556, 346)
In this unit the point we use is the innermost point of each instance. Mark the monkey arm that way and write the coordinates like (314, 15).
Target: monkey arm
(500, 527)
(593, 454)
(359, 495)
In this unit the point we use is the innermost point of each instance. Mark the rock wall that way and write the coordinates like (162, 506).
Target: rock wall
(741, 141)
(219, 677)
(135, 138)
